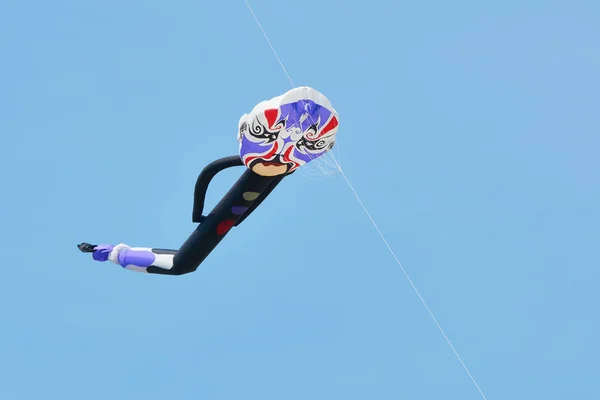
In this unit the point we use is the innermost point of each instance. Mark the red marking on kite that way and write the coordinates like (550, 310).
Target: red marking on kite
(224, 226)
(271, 115)
(331, 125)
(287, 158)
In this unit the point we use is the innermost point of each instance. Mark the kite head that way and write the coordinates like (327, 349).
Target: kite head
(286, 132)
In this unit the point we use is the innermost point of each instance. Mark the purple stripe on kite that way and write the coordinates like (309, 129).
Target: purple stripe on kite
(293, 113)
(255, 148)
(102, 252)
(139, 258)
(238, 210)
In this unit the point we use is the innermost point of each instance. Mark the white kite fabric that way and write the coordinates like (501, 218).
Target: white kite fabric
(288, 131)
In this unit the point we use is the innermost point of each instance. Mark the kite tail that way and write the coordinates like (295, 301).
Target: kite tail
(138, 259)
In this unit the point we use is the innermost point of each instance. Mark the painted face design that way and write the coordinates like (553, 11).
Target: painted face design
(287, 132)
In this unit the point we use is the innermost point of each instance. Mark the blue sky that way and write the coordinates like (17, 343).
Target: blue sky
(470, 130)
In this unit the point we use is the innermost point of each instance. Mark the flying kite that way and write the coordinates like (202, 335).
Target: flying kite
(276, 138)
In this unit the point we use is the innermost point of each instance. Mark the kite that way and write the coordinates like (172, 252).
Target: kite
(276, 138)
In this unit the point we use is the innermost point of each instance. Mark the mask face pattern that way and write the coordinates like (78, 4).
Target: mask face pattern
(286, 132)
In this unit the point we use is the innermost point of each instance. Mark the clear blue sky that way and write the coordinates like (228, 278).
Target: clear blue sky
(470, 130)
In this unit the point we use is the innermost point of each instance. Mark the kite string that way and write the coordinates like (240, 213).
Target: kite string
(270, 45)
(379, 230)
(413, 285)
